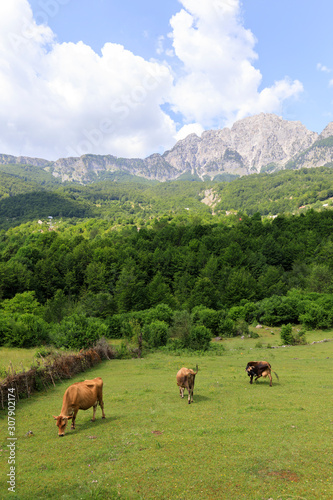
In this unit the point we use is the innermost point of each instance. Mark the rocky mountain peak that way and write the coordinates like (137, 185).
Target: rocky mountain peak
(327, 132)
(249, 145)
(264, 142)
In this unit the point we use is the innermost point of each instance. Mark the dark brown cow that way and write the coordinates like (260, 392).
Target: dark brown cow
(259, 369)
(185, 380)
(80, 396)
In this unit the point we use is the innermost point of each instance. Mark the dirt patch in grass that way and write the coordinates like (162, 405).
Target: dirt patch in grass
(286, 475)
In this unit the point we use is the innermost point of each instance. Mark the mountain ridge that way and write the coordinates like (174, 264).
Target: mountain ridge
(256, 144)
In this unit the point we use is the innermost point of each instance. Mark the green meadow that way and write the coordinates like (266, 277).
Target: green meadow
(236, 441)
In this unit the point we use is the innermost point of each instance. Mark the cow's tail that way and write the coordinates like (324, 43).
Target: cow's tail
(197, 370)
(276, 375)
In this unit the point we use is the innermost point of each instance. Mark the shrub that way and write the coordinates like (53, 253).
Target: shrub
(22, 303)
(207, 317)
(253, 334)
(161, 312)
(25, 330)
(156, 334)
(115, 323)
(199, 338)
(316, 317)
(78, 332)
(241, 328)
(299, 337)
(181, 325)
(226, 327)
(236, 312)
(287, 334)
(6, 327)
(288, 338)
(250, 312)
(277, 310)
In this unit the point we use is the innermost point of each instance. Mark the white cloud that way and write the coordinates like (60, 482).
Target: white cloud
(64, 99)
(220, 82)
(192, 128)
(322, 67)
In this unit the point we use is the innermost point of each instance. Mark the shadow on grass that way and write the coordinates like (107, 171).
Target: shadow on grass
(88, 424)
(199, 398)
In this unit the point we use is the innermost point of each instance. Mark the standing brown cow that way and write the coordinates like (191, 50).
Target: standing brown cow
(80, 396)
(259, 369)
(185, 380)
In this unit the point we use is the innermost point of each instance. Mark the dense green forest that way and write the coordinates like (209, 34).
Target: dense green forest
(30, 193)
(125, 258)
(61, 281)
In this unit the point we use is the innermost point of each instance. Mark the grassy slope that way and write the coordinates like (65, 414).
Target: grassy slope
(235, 442)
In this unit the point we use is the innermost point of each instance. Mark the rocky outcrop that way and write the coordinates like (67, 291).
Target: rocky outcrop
(24, 160)
(327, 132)
(260, 143)
(250, 145)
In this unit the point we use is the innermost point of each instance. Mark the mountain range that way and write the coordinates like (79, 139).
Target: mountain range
(257, 144)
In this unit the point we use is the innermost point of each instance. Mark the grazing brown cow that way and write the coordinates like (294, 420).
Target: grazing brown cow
(185, 380)
(259, 369)
(80, 396)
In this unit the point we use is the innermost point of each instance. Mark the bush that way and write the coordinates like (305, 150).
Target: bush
(156, 334)
(115, 323)
(287, 335)
(207, 317)
(277, 310)
(199, 338)
(181, 326)
(241, 328)
(226, 327)
(288, 338)
(236, 312)
(316, 317)
(25, 330)
(299, 337)
(78, 332)
(161, 312)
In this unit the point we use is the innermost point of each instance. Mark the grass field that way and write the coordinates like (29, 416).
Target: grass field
(235, 441)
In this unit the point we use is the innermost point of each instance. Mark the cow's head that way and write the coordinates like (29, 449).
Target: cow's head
(250, 370)
(61, 424)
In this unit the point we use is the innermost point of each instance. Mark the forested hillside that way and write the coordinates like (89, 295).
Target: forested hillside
(28, 193)
(243, 269)
(115, 258)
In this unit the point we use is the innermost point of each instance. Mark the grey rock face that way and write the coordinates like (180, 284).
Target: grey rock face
(264, 142)
(250, 145)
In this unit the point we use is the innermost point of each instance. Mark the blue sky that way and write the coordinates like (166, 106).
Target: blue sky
(131, 78)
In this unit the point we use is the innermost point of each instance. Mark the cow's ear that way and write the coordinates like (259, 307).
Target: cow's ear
(55, 418)
(68, 418)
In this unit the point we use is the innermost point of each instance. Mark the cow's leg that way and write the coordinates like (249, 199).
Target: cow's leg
(73, 419)
(257, 378)
(251, 379)
(181, 392)
(94, 412)
(101, 404)
(190, 396)
(270, 378)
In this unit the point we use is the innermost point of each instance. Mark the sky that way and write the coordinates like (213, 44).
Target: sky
(131, 78)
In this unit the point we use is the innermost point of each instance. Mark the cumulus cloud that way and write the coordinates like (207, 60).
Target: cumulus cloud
(192, 128)
(323, 68)
(220, 82)
(64, 99)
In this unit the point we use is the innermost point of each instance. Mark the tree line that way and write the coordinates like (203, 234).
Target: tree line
(211, 278)
(30, 193)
